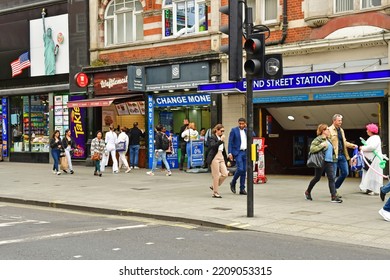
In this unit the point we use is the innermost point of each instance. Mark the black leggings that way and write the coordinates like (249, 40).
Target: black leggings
(328, 168)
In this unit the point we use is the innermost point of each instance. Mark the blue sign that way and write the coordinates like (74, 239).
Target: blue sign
(280, 99)
(345, 95)
(150, 127)
(297, 81)
(197, 149)
(4, 105)
(172, 158)
(183, 100)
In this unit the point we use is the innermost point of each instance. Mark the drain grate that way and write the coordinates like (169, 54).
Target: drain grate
(305, 213)
(221, 208)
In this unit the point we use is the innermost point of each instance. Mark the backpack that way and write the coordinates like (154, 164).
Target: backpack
(164, 142)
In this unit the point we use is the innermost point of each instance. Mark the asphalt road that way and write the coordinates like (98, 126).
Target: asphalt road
(35, 233)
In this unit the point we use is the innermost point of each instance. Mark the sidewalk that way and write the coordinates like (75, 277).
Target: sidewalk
(279, 205)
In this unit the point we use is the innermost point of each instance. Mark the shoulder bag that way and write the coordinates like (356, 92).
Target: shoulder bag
(316, 160)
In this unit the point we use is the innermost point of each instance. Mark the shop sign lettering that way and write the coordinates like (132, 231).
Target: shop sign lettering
(183, 100)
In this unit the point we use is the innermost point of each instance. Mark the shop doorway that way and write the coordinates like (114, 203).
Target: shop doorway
(289, 130)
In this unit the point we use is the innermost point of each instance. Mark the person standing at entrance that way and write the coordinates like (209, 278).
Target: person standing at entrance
(340, 145)
(134, 144)
(183, 143)
(111, 139)
(237, 150)
(217, 159)
(189, 135)
(321, 144)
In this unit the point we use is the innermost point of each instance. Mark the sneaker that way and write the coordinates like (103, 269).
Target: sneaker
(54, 172)
(382, 194)
(116, 172)
(131, 167)
(150, 173)
(136, 167)
(58, 173)
(336, 199)
(308, 196)
(71, 172)
(169, 173)
(385, 214)
(338, 195)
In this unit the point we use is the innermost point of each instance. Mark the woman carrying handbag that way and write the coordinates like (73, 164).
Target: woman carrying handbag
(321, 144)
(97, 149)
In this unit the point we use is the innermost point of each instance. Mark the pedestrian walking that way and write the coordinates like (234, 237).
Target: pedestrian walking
(70, 146)
(385, 211)
(135, 135)
(340, 145)
(237, 151)
(183, 143)
(56, 148)
(111, 139)
(371, 180)
(322, 144)
(217, 159)
(161, 145)
(124, 138)
(97, 150)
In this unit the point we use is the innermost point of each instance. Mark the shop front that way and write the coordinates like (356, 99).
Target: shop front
(172, 97)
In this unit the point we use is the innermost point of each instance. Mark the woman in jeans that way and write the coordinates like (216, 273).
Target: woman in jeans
(56, 147)
(321, 144)
(97, 147)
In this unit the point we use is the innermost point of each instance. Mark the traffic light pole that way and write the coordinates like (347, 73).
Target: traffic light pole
(249, 118)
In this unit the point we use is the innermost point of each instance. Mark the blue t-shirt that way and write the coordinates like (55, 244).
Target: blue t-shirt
(329, 152)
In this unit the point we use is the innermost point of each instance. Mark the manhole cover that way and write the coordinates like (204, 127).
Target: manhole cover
(305, 213)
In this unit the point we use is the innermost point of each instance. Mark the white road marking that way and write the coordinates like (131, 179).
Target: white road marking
(116, 249)
(78, 256)
(64, 234)
(180, 238)
(149, 243)
(8, 224)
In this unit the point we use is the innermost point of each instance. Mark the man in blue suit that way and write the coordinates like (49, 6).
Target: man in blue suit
(237, 150)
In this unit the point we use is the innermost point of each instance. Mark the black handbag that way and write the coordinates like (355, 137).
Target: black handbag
(316, 160)
(369, 161)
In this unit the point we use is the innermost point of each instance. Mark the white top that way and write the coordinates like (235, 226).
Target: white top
(111, 138)
(220, 147)
(243, 139)
(189, 134)
(123, 137)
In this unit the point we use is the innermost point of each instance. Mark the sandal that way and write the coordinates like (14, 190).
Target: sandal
(216, 195)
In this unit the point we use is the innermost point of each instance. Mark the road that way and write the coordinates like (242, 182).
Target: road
(38, 233)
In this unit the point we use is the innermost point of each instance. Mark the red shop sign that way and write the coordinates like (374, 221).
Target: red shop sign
(110, 83)
(81, 79)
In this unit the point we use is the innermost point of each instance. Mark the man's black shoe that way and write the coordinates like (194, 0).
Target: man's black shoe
(382, 194)
(243, 192)
(232, 187)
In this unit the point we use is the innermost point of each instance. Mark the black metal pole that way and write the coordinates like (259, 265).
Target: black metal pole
(249, 134)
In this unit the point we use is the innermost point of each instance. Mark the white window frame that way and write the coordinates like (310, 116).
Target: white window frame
(354, 4)
(126, 12)
(270, 21)
(173, 8)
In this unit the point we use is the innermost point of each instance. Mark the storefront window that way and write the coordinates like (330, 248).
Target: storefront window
(29, 120)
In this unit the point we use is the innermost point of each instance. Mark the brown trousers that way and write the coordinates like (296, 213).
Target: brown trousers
(219, 171)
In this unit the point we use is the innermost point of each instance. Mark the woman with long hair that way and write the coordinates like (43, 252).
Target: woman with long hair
(97, 149)
(69, 145)
(217, 159)
(56, 147)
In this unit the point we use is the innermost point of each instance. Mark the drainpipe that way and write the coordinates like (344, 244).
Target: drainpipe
(284, 28)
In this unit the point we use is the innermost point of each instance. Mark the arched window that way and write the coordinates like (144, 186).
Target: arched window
(123, 22)
(184, 17)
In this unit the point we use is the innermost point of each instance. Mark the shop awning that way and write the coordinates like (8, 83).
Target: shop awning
(100, 102)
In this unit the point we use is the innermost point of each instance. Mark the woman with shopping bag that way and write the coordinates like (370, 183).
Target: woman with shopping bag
(321, 144)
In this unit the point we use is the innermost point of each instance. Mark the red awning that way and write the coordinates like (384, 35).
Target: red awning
(93, 102)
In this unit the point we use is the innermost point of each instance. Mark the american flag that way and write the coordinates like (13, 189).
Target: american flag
(21, 63)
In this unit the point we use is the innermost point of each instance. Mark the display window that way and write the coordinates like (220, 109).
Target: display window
(29, 121)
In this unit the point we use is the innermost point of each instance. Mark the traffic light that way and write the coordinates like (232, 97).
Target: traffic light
(234, 30)
(255, 54)
(273, 66)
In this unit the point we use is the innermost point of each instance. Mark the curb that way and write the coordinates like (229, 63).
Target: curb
(114, 212)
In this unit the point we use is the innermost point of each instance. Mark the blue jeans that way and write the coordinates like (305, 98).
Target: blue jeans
(163, 156)
(133, 153)
(241, 170)
(97, 166)
(342, 164)
(386, 189)
(55, 153)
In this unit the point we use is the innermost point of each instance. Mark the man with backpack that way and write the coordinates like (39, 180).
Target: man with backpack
(161, 145)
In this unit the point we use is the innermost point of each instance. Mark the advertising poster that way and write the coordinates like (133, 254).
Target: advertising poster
(298, 151)
(4, 105)
(142, 107)
(78, 126)
(172, 158)
(133, 108)
(122, 109)
(108, 118)
(197, 148)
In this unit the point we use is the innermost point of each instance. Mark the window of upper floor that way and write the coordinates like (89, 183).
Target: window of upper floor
(341, 6)
(264, 11)
(184, 17)
(123, 22)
